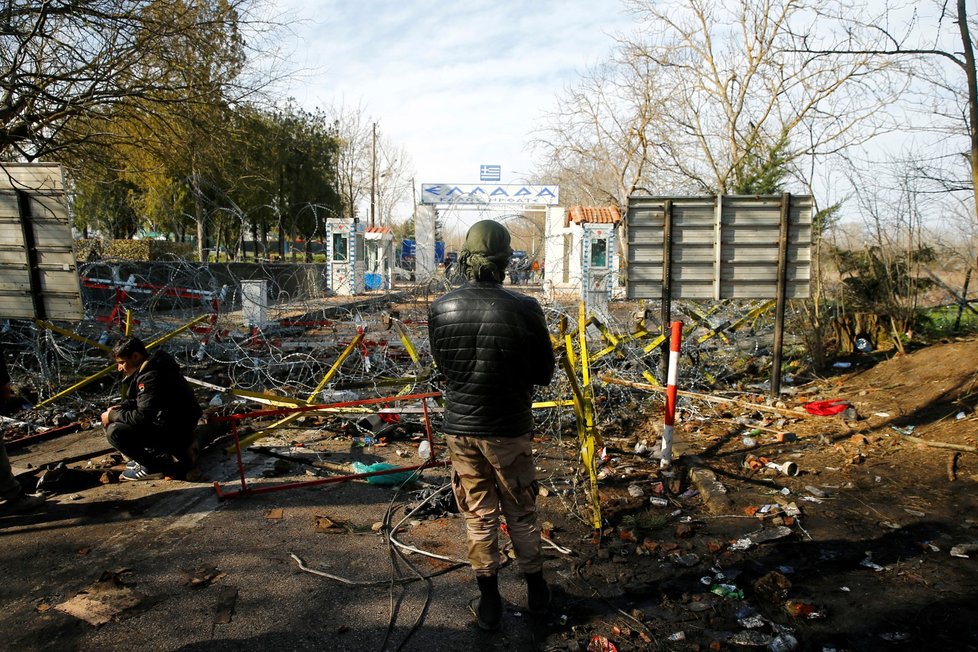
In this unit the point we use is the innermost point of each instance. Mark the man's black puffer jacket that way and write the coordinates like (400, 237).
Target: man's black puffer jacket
(158, 396)
(492, 346)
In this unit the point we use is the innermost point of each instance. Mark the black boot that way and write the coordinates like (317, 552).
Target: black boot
(490, 611)
(537, 593)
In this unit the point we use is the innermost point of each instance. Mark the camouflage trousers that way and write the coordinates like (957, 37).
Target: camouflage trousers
(493, 476)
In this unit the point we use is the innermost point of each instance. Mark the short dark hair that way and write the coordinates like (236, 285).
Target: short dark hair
(127, 346)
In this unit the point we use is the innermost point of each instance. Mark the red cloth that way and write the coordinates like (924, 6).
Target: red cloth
(826, 408)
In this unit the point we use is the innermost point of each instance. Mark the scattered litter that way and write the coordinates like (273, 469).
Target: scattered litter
(203, 576)
(727, 591)
(275, 514)
(751, 638)
(869, 563)
(635, 491)
(863, 345)
(677, 636)
(102, 601)
(883, 415)
(960, 415)
(903, 431)
(800, 609)
(826, 408)
(601, 644)
(749, 442)
(388, 479)
(816, 491)
(688, 560)
(656, 501)
(752, 622)
(964, 550)
(742, 544)
(783, 643)
(841, 365)
(327, 525)
(769, 534)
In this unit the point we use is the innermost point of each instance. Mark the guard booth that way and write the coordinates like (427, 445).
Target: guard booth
(345, 257)
(581, 257)
(379, 242)
(597, 269)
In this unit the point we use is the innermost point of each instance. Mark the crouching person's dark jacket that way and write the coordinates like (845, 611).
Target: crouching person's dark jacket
(492, 346)
(158, 396)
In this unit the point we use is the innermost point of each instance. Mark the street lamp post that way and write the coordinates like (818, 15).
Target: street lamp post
(373, 175)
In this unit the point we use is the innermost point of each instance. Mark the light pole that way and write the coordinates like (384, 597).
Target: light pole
(373, 175)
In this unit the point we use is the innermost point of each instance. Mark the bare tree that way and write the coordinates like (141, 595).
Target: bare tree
(594, 142)
(705, 92)
(66, 65)
(353, 169)
(932, 44)
(733, 91)
(393, 179)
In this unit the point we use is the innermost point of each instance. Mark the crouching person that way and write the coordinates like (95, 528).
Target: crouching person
(154, 424)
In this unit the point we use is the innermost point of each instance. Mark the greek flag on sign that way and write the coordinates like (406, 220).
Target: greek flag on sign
(489, 172)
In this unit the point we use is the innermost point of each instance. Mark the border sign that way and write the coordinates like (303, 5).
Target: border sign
(723, 247)
(461, 193)
(729, 247)
(38, 276)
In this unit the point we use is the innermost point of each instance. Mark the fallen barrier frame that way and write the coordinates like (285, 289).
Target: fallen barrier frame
(235, 419)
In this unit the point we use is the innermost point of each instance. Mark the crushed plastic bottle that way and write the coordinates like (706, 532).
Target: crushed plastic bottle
(727, 591)
(783, 643)
(424, 450)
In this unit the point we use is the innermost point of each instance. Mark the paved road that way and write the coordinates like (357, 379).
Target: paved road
(157, 535)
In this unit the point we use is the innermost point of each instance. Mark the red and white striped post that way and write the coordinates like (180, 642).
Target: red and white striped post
(675, 339)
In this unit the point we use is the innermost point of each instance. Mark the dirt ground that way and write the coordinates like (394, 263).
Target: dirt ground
(866, 548)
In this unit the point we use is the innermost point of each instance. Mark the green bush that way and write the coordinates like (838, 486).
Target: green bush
(140, 250)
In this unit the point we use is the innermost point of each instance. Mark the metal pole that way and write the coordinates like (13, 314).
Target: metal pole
(666, 310)
(669, 422)
(781, 296)
(373, 175)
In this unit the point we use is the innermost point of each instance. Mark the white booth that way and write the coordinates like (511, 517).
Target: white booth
(581, 256)
(345, 256)
(378, 264)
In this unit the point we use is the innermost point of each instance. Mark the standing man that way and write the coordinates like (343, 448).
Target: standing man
(155, 423)
(492, 346)
(15, 500)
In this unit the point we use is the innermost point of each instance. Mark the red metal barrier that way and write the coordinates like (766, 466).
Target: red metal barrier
(245, 490)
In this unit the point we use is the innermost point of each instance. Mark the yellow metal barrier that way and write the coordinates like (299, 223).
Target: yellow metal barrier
(112, 367)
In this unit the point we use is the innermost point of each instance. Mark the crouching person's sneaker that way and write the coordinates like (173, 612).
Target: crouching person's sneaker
(138, 472)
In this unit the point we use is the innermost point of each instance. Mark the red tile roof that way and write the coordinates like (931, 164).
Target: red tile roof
(593, 215)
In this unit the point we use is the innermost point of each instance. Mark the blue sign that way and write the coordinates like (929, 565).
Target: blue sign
(439, 193)
(490, 172)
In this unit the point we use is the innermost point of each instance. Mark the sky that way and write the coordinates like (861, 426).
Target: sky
(455, 84)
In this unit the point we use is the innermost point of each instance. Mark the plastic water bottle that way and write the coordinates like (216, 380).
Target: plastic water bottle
(424, 449)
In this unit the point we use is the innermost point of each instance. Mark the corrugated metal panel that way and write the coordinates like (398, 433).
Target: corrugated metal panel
(735, 258)
(37, 278)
